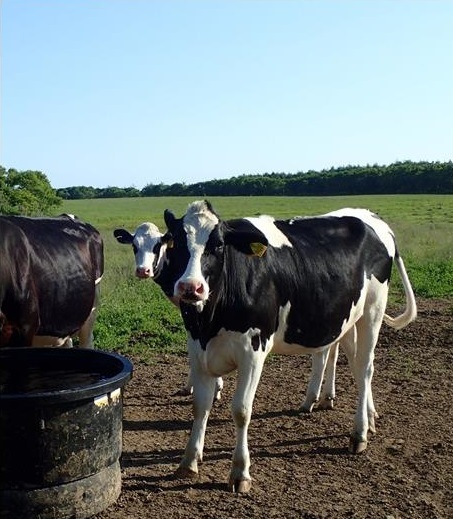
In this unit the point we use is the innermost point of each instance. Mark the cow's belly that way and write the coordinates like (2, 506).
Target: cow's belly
(46, 340)
(326, 337)
(284, 348)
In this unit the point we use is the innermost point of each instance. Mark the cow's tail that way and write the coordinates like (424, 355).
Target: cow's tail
(410, 313)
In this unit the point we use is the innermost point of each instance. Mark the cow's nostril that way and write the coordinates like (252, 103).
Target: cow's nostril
(191, 288)
(143, 272)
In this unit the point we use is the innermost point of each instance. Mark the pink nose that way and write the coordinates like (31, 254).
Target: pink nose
(143, 272)
(191, 288)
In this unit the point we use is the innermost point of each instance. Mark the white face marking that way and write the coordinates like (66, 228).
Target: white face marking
(267, 226)
(146, 237)
(198, 223)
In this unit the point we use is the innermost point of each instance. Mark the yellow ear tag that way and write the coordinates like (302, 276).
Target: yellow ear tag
(258, 249)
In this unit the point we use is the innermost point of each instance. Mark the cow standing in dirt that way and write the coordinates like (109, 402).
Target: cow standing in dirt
(251, 286)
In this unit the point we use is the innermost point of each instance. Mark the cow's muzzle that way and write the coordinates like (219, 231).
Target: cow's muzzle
(191, 291)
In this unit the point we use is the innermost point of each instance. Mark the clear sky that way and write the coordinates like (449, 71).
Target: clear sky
(131, 92)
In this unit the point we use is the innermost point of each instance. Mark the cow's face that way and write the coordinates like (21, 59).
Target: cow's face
(187, 251)
(149, 247)
(199, 247)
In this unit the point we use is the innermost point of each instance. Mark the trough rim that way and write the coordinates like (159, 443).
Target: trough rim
(92, 358)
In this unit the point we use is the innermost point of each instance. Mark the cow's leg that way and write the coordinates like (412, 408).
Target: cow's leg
(349, 346)
(188, 388)
(367, 335)
(318, 365)
(328, 391)
(67, 343)
(86, 331)
(203, 396)
(372, 414)
(249, 374)
(218, 388)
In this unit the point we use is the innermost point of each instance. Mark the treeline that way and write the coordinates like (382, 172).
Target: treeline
(398, 178)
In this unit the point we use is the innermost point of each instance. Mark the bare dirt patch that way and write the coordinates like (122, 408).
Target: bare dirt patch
(300, 464)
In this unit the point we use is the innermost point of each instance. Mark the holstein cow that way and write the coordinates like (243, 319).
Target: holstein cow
(250, 286)
(149, 246)
(50, 271)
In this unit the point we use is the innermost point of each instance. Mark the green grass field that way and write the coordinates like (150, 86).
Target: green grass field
(135, 318)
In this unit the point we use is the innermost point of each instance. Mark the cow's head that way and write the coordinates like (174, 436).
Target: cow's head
(149, 245)
(199, 245)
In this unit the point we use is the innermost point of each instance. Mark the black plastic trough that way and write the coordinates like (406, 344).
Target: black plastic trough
(60, 431)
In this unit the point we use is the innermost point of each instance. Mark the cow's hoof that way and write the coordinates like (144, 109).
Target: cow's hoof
(371, 422)
(357, 446)
(326, 404)
(185, 391)
(240, 486)
(306, 409)
(185, 473)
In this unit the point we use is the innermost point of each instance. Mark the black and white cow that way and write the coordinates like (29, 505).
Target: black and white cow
(251, 286)
(50, 270)
(149, 246)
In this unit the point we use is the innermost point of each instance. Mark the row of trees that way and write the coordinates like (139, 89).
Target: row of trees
(30, 192)
(400, 177)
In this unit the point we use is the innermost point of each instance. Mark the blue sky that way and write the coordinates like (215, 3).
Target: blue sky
(132, 92)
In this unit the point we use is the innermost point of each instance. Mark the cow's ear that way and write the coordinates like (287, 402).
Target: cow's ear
(169, 218)
(123, 236)
(250, 242)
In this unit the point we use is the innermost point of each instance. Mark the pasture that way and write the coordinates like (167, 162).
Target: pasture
(301, 467)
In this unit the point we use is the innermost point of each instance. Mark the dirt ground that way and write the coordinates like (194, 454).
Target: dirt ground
(300, 464)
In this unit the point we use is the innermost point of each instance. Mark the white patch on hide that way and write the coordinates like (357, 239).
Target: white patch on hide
(383, 231)
(273, 234)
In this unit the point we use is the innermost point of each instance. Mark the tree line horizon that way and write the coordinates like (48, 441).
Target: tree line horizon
(405, 177)
(30, 192)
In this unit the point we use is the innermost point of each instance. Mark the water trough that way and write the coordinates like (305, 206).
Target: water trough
(60, 431)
